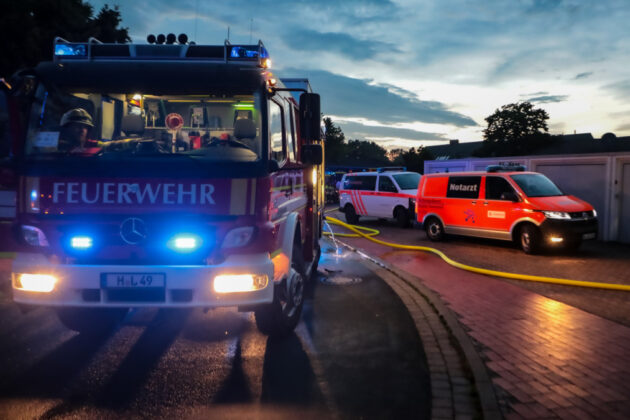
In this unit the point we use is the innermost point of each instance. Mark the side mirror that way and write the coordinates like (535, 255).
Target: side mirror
(312, 154)
(310, 116)
(509, 196)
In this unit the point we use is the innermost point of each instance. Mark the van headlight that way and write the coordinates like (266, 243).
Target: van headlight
(559, 215)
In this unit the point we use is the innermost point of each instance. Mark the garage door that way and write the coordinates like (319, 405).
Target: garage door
(585, 181)
(624, 214)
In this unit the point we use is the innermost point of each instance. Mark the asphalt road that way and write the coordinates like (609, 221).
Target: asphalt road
(356, 354)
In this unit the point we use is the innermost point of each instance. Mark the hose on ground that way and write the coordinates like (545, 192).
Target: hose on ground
(495, 273)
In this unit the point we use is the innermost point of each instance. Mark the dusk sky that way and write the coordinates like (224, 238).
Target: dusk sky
(421, 72)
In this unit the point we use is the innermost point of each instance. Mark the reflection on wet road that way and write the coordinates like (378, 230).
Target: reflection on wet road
(356, 353)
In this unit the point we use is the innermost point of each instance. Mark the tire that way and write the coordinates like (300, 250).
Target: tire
(529, 239)
(434, 229)
(91, 320)
(351, 215)
(402, 217)
(280, 317)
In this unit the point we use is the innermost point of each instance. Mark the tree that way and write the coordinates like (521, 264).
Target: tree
(365, 153)
(334, 142)
(413, 160)
(516, 128)
(29, 27)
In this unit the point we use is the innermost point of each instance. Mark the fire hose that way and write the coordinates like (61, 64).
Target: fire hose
(526, 277)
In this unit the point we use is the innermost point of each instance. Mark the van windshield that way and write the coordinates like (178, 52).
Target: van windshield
(408, 181)
(134, 124)
(536, 185)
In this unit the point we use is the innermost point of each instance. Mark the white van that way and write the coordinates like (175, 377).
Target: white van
(386, 193)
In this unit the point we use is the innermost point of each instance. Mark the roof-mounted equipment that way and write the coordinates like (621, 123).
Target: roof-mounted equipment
(391, 169)
(505, 168)
(162, 47)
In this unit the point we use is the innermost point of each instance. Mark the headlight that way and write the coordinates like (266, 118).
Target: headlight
(561, 215)
(34, 282)
(34, 236)
(238, 237)
(594, 213)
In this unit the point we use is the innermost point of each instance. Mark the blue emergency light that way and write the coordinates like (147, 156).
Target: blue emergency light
(185, 242)
(81, 242)
(71, 50)
(249, 51)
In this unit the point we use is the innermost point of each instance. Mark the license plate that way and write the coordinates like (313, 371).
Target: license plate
(133, 280)
(591, 235)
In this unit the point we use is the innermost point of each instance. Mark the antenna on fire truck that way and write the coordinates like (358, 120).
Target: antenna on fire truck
(228, 37)
(196, 14)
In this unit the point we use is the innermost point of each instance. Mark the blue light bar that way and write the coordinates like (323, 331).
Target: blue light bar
(184, 242)
(81, 242)
(74, 50)
(248, 51)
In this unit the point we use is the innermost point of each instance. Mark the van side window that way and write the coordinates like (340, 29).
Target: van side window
(361, 183)
(276, 132)
(385, 184)
(496, 186)
(463, 187)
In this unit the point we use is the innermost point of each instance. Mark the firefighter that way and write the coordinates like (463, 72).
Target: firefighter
(76, 125)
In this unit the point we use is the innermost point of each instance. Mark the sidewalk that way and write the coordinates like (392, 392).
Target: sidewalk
(546, 358)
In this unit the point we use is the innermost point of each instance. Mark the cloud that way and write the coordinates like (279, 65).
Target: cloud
(341, 43)
(623, 127)
(349, 97)
(620, 89)
(353, 130)
(583, 75)
(547, 99)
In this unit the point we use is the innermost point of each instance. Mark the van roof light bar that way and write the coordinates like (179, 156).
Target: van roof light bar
(505, 168)
(391, 168)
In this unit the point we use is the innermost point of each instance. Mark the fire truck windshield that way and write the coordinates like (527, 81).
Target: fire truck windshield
(135, 124)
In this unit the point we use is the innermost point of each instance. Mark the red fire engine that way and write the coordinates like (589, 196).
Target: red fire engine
(173, 175)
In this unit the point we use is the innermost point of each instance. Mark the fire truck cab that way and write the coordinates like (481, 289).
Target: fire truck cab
(174, 175)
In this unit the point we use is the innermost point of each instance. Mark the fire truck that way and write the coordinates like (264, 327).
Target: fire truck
(164, 175)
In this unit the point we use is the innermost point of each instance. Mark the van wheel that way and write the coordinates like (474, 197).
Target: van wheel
(351, 215)
(91, 320)
(280, 317)
(434, 229)
(401, 216)
(530, 239)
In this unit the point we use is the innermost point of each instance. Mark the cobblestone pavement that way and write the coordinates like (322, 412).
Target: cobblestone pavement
(595, 261)
(547, 358)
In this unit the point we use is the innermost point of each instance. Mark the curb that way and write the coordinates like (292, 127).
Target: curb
(483, 383)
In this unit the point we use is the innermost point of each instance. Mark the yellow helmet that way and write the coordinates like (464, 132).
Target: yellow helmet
(77, 115)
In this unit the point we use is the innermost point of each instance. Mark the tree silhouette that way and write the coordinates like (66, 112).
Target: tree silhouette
(28, 28)
(515, 129)
(334, 142)
(412, 159)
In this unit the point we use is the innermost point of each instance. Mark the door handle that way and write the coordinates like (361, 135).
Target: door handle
(473, 202)
(485, 203)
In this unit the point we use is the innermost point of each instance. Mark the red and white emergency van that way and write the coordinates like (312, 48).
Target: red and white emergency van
(387, 193)
(163, 175)
(504, 203)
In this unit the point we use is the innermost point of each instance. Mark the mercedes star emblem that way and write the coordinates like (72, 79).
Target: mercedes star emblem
(133, 230)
